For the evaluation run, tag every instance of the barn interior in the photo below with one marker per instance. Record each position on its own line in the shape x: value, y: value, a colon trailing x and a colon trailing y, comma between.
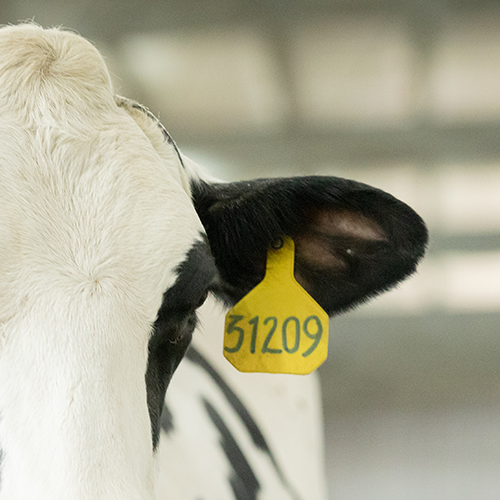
x: 400, y: 94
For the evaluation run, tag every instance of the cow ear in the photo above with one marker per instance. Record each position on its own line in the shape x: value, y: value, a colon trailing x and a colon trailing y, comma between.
x: 352, y: 241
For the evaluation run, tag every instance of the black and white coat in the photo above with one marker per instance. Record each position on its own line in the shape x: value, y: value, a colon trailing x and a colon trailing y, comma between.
x: 110, y: 239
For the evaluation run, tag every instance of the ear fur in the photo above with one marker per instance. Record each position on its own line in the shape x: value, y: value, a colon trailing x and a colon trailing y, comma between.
x: 352, y: 241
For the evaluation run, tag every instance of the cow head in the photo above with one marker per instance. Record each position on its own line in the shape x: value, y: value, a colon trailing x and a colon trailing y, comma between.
x: 110, y: 239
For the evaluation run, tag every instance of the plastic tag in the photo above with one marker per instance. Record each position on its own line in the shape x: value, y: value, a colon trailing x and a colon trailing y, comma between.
x: 277, y: 327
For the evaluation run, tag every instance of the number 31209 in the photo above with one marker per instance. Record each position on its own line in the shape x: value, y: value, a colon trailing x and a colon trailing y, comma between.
x: 291, y: 331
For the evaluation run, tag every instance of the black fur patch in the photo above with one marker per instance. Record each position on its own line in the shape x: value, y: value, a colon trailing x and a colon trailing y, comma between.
x: 243, y: 482
x: 174, y: 327
x: 246, y: 418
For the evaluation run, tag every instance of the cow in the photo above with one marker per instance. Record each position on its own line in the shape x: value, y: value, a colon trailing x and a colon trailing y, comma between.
x: 110, y: 240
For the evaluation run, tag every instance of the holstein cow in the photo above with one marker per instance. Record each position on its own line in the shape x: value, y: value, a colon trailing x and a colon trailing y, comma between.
x: 110, y: 239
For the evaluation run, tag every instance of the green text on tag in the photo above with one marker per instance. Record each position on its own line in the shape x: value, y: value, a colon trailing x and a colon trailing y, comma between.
x: 277, y: 327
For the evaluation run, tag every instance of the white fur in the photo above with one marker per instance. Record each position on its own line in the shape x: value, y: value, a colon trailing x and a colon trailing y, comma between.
x: 93, y: 222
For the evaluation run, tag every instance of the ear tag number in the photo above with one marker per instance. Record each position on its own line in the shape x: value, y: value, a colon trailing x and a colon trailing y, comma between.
x: 277, y: 327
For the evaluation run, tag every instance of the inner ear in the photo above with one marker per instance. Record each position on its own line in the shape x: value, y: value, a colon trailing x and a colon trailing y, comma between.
x: 344, y: 222
x: 329, y: 238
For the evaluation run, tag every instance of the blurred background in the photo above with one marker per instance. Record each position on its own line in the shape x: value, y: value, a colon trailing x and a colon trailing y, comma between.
x: 404, y: 95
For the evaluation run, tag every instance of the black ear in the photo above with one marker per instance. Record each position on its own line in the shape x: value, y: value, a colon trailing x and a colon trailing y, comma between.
x: 352, y: 241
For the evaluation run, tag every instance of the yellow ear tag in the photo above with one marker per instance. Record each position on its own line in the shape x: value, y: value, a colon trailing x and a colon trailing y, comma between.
x: 277, y: 327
